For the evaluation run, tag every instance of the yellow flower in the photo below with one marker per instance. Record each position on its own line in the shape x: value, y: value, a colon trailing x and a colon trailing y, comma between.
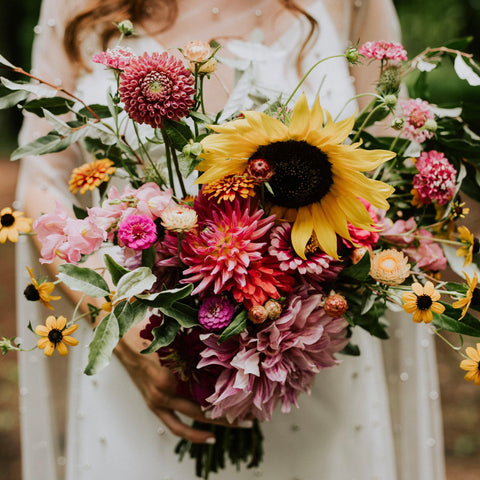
x: 470, y: 245
x: 317, y: 179
x: 40, y: 291
x: 55, y: 335
x: 90, y: 175
x: 390, y: 267
x: 459, y: 210
x: 12, y: 222
x: 467, y: 300
x: 227, y: 187
x: 422, y: 302
x: 472, y: 365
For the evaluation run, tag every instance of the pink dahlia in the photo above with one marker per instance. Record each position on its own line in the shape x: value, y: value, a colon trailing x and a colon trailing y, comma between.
x: 216, y: 312
x: 273, y: 364
x: 157, y: 86
x: 416, y: 113
x: 383, y: 51
x: 118, y: 58
x: 435, y: 181
x: 138, y: 232
x: 365, y: 238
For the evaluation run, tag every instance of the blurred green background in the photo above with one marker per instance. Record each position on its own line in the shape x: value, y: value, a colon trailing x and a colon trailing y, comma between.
x: 424, y: 23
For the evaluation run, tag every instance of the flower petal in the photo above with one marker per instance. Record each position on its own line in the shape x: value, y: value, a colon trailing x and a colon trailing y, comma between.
x: 302, y: 231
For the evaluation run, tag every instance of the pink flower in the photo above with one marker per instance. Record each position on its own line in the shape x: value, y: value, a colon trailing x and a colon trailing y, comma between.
x: 435, y: 181
x: 154, y: 87
x: 273, y: 364
x: 401, y: 232
x: 364, y: 238
x: 416, y: 113
x: 216, y: 312
x: 383, y: 51
x: 428, y: 255
x: 138, y: 232
x: 151, y: 200
x: 84, y: 237
x: 118, y: 57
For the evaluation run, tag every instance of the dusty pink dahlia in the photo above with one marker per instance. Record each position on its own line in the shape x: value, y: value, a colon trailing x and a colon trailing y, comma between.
x: 138, y: 232
x: 216, y: 312
x: 383, y: 51
x: 273, y: 364
x: 435, y: 181
x: 157, y: 86
x: 416, y: 113
x: 118, y: 58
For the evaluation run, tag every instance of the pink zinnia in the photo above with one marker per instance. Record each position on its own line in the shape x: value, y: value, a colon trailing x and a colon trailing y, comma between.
x: 138, y: 232
x: 117, y: 58
x: 157, y: 86
x: 416, y: 113
x: 216, y: 312
x: 435, y: 181
x: 383, y: 51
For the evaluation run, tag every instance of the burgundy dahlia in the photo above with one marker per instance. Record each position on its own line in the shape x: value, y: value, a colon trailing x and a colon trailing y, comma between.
x: 154, y: 87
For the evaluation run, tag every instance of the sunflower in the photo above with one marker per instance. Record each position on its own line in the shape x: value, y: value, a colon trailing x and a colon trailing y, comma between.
x: 317, y: 180
x: 472, y: 294
x: 40, y: 291
x: 472, y: 364
x: 54, y: 335
x: 11, y: 223
x: 422, y: 302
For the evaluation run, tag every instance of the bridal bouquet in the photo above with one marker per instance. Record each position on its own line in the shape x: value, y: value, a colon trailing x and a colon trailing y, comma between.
x: 254, y: 244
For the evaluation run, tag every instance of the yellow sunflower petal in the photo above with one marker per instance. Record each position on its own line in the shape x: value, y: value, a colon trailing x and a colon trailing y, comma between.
x: 316, y: 117
x: 473, y: 353
x: 51, y: 322
x: 429, y: 289
x: 5, y: 211
x: 42, y: 330
x: 43, y: 342
x: 49, y: 349
x: 417, y: 289
x: 437, y: 307
x: 302, y: 231
x: 410, y: 307
x: 61, y: 322
x: 70, y: 329
x: 3, y: 235
x: 409, y: 297
x: 324, y: 231
x: 335, y: 216
x: 427, y: 316
x: 62, y: 349
x: 12, y: 234
x: 230, y: 167
x: 70, y: 340
x: 468, y: 365
x: 299, y: 124
x: 335, y: 133
x: 417, y: 316
x: 460, y: 303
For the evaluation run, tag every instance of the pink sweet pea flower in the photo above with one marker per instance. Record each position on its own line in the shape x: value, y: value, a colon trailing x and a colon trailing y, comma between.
x: 428, y: 255
x: 402, y: 232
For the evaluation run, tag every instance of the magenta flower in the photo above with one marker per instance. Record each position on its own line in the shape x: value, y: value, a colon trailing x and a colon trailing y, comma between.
x: 154, y: 87
x: 428, y: 254
x: 435, y: 181
x: 383, y: 51
x: 216, y: 312
x: 118, y: 58
x: 416, y: 113
x: 138, y: 232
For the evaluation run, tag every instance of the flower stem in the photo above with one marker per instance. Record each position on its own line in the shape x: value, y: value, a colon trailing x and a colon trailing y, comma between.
x: 166, y: 141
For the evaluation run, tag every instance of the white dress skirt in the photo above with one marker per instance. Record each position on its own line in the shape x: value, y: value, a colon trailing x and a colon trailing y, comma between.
x: 374, y: 417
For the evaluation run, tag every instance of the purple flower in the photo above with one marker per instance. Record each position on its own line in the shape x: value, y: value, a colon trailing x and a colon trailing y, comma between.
x: 215, y: 313
x: 138, y: 232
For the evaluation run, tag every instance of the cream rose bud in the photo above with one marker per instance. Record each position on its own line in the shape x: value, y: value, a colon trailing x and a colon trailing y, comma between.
x: 179, y: 218
x: 197, y: 51
x: 208, y: 67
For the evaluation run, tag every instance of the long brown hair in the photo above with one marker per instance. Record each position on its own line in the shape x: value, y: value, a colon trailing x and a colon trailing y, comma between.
x: 100, y: 16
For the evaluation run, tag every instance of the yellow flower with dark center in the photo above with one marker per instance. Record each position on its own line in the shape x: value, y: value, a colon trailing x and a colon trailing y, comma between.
x: 11, y: 223
x: 472, y: 364
x: 469, y: 296
x: 470, y: 244
x: 422, y: 301
x: 54, y: 334
x: 40, y: 291
x: 317, y: 180
x: 227, y: 187
x: 459, y: 211
x: 90, y: 175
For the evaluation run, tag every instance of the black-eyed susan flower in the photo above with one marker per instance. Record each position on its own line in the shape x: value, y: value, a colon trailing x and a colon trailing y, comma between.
x: 422, y: 301
x: 55, y: 335
x: 470, y: 245
x: 472, y: 294
x: 472, y: 364
x: 459, y: 211
x: 90, y: 175
x: 11, y: 223
x: 40, y: 291
x: 317, y: 180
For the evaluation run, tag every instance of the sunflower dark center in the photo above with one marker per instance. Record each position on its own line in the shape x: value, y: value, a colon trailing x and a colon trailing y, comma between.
x: 476, y: 245
x: 55, y: 335
x: 424, y: 302
x: 7, y: 220
x: 31, y: 293
x: 303, y: 174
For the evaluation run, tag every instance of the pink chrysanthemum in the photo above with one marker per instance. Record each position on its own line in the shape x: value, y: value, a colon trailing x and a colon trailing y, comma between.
x: 416, y: 113
x: 275, y: 363
x: 383, y: 51
x: 435, y: 181
x: 157, y: 86
x: 216, y: 312
x: 138, y: 232
x: 118, y: 57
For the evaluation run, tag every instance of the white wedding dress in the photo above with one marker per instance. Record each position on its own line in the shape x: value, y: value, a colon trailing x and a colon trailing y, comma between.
x: 376, y: 416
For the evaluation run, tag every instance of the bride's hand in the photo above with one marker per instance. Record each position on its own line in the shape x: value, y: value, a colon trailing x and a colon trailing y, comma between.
x: 158, y: 387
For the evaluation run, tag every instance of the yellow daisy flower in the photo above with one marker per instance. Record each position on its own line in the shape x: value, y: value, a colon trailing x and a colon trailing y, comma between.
x: 459, y: 210
x: 90, y: 175
x: 11, y: 223
x: 472, y: 364
x: 55, y: 335
x: 467, y: 300
x: 317, y: 178
x: 40, y: 291
x: 422, y: 302
x: 470, y: 244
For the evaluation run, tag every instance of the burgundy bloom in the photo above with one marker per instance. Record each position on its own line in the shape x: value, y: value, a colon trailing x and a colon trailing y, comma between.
x: 154, y: 87
x: 216, y: 312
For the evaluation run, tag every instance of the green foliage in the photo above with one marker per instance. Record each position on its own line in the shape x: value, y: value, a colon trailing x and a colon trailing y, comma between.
x: 236, y: 326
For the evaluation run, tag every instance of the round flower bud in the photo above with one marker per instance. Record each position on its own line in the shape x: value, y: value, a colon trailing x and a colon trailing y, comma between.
x: 335, y: 305
x: 389, y: 82
x: 257, y: 314
x: 126, y: 27
x: 196, y: 149
x: 398, y: 123
x: 273, y: 308
x: 186, y: 150
x: 358, y: 254
x: 430, y: 125
x: 208, y: 67
x: 351, y: 55
x: 197, y: 52
x: 390, y: 100
x: 259, y: 170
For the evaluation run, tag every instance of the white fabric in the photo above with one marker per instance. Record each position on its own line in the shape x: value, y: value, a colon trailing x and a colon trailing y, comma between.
x: 373, y: 417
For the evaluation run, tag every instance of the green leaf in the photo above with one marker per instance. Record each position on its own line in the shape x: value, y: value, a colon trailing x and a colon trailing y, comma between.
x: 201, y: 118
x: 129, y: 314
x: 102, y: 111
x: 133, y: 283
x: 39, y: 90
x: 178, y: 133
x: 448, y: 320
x: 116, y: 270
x: 185, y: 315
x: 148, y: 257
x: 4, y: 61
x: 12, y: 98
x: 79, y: 212
x: 83, y: 279
x: 237, y: 326
x: 351, y: 349
x: 167, y: 297
x: 359, y: 271
x: 55, y: 105
x: 163, y: 335
x: 101, y: 347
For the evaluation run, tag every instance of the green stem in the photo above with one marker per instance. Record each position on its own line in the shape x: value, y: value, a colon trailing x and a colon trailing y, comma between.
x: 365, y: 122
x: 377, y: 97
x: 169, y: 160
x: 179, y: 173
